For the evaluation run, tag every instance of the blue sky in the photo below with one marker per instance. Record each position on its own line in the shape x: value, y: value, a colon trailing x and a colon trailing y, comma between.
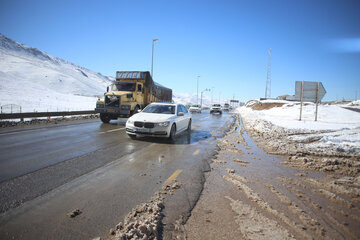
x: 225, y: 42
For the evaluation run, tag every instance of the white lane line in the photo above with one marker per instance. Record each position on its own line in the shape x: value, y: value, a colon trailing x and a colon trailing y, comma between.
x: 114, y: 130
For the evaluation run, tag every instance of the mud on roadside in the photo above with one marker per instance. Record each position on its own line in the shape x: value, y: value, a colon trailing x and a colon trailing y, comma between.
x: 251, y: 195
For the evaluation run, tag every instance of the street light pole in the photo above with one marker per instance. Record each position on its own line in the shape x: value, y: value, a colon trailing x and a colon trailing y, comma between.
x: 152, y: 56
x: 212, y: 95
x: 202, y: 94
x: 197, y: 91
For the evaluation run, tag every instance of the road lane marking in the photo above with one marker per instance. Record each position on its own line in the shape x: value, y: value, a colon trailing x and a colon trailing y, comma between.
x: 173, y: 176
x: 196, y: 152
x: 114, y: 130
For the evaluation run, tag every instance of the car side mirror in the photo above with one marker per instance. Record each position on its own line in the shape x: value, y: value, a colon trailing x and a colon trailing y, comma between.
x: 139, y: 110
x: 180, y: 114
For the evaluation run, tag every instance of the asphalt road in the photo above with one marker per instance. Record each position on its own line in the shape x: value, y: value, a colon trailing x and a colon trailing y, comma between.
x: 48, y: 171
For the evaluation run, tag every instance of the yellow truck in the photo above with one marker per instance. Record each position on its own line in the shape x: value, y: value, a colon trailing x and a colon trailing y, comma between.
x: 130, y: 92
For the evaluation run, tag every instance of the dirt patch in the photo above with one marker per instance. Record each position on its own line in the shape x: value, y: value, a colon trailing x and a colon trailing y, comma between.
x: 264, y: 105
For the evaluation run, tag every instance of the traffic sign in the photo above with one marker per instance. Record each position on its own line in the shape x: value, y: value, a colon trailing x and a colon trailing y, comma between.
x: 311, y: 91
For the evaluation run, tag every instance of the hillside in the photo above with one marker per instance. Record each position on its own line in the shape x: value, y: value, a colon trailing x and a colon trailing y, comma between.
x: 38, y: 81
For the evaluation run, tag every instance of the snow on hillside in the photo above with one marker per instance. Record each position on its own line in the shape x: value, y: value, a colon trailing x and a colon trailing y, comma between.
x: 38, y: 81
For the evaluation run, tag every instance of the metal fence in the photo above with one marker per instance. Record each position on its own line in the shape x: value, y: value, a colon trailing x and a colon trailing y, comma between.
x: 10, y: 108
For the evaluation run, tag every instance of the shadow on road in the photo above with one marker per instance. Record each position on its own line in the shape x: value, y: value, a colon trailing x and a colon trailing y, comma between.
x: 184, y: 138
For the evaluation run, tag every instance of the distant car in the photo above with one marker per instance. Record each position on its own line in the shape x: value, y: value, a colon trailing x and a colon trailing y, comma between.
x: 215, y: 108
x: 159, y: 120
x: 226, y: 107
x: 195, y: 108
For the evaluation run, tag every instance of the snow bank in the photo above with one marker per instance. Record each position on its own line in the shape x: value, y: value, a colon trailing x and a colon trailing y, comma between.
x: 336, y: 134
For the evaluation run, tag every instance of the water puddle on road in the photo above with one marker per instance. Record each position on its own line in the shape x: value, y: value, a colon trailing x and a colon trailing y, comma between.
x: 264, y: 199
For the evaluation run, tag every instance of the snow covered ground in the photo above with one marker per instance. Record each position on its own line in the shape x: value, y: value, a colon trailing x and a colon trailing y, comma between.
x: 37, y: 81
x: 336, y: 133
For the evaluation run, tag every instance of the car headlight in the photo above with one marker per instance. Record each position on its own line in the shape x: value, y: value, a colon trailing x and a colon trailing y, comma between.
x: 129, y: 121
x: 163, y: 124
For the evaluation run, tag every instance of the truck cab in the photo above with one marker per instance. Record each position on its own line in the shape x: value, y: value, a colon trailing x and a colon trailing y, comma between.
x: 130, y: 92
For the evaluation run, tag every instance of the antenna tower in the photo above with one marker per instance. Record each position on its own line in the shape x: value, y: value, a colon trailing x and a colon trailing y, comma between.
x: 268, y: 77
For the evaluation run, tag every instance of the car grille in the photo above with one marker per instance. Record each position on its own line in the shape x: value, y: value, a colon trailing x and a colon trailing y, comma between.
x: 146, y: 124
x: 138, y: 124
x: 149, y: 125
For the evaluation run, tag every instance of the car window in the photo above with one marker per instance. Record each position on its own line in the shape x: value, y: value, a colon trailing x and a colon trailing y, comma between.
x: 178, y: 109
x: 163, y: 109
x: 184, y: 109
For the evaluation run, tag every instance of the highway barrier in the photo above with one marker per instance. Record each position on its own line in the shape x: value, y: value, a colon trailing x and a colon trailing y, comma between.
x: 21, y: 116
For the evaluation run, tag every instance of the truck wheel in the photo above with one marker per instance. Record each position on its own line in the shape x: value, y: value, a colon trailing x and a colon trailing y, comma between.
x: 104, y: 118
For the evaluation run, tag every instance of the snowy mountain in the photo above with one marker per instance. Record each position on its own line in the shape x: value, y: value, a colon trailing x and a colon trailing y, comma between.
x: 37, y: 81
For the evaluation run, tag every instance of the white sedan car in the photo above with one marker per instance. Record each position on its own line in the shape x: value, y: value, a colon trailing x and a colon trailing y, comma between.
x: 159, y: 120
x: 195, y: 108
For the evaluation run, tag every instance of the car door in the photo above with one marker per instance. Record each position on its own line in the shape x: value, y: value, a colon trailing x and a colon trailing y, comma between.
x: 187, y: 116
x: 180, y: 119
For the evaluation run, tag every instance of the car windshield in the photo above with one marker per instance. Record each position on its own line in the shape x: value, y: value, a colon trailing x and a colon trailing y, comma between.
x: 216, y: 105
x: 123, y: 86
x: 195, y: 105
x: 162, y: 109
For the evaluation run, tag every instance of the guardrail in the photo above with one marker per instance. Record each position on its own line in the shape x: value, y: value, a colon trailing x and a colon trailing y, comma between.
x: 43, y: 114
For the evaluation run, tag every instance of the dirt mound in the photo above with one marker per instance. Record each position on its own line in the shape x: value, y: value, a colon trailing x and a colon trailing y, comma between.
x: 265, y: 105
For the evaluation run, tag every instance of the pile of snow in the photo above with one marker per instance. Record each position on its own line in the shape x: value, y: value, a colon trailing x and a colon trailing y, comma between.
x: 335, y: 126
x: 37, y: 81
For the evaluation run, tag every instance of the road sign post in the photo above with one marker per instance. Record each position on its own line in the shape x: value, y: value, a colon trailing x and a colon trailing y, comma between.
x: 301, y: 98
x: 309, y: 92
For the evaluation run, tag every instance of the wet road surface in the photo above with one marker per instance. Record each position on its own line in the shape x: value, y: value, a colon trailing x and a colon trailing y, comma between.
x: 47, y: 172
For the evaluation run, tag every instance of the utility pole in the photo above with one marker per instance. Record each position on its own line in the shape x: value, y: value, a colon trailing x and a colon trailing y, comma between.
x: 268, y: 77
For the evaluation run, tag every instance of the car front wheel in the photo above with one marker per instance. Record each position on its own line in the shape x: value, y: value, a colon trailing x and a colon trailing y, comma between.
x: 132, y: 136
x: 189, y: 126
x: 172, y: 133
